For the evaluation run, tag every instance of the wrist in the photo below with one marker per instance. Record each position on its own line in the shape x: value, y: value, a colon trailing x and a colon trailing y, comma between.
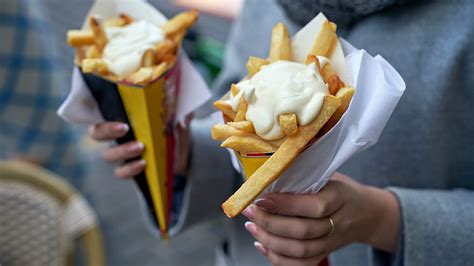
x: 385, y: 219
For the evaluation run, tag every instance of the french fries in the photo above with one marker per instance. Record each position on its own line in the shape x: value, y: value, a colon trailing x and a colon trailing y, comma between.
x: 225, y: 108
x: 141, y: 77
x: 241, y: 136
x: 247, y: 144
x: 288, y: 123
x: 325, y: 41
x: 100, y: 38
x: 94, y: 65
x: 180, y: 22
x: 77, y: 38
x: 254, y: 64
x: 279, y: 161
x: 246, y: 126
x: 334, y: 84
x: 241, y: 110
x: 280, y: 47
x: 90, y: 46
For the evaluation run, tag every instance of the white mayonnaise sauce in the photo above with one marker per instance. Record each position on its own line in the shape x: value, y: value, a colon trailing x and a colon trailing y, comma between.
x: 126, y: 45
x: 279, y: 88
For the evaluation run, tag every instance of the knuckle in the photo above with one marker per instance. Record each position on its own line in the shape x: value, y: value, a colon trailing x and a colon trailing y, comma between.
x: 302, y: 250
x: 303, y: 231
x: 322, y: 208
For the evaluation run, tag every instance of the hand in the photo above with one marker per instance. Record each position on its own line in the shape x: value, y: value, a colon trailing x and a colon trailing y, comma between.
x: 296, y: 230
x: 113, y: 130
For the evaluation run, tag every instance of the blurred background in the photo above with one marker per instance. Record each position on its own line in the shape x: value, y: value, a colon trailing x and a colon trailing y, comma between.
x: 126, y: 237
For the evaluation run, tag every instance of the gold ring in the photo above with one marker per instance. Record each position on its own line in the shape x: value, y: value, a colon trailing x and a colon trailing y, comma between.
x: 333, y: 227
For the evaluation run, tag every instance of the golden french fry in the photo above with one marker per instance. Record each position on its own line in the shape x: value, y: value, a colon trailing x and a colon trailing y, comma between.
x: 93, y: 52
x: 148, y: 58
x: 221, y: 132
x: 288, y: 123
x: 280, y: 46
x: 169, y: 59
x: 325, y: 41
x: 234, y: 90
x: 141, y: 77
x: 248, y: 144
x: 254, y: 64
x: 163, y: 48
x: 80, y: 37
x: 180, y: 22
x: 279, y: 161
x: 225, y: 108
x: 311, y: 58
x: 120, y: 21
x: 94, y: 65
x: 159, y: 70
x: 100, y: 38
x: 334, y: 84
x: 246, y: 126
x: 345, y: 95
x: 241, y: 110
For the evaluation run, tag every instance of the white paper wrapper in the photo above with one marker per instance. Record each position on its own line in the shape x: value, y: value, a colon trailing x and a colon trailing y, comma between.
x: 80, y: 106
x: 378, y: 90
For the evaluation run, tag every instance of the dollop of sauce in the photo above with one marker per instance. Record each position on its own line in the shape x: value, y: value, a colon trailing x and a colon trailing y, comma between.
x: 126, y: 45
x: 279, y: 88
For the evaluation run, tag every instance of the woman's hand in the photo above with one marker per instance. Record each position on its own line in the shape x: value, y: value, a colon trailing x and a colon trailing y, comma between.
x: 108, y: 131
x: 304, y: 229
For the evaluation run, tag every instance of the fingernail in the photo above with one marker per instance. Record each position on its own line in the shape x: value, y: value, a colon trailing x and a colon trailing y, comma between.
x: 249, y: 212
x: 139, y: 163
x: 136, y: 147
x: 266, y: 203
x: 260, y: 248
x: 251, y: 228
x: 121, y: 128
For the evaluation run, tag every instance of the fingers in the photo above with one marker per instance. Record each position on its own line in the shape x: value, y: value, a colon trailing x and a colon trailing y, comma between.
x: 108, y: 130
x: 286, y: 246
x: 278, y: 259
x: 123, y: 152
x: 130, y: 169
x: 290, y: 227
x: 323, y: 204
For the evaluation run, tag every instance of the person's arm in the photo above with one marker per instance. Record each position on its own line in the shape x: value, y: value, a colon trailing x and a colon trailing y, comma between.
x: 437, y: 228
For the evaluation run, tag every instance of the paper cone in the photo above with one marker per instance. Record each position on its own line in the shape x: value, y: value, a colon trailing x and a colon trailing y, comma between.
x: 149, y: 111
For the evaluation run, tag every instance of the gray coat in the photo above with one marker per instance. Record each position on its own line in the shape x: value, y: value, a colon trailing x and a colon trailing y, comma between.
x: 426, y: 153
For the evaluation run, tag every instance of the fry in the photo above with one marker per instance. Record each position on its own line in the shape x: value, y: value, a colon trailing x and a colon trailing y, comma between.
x: 345, y: 95
x: 279, y: 161
x: 100, y: 38
x: 159, y: 70
x: 313, y: 59
x: 288, y: 123
x: 148, y: 58
x: 169, y: 59
x: 246, y: 126
x: 141, y: 77
x: 222, y: 132
x: 93, y: 52
x: 120, y: 21
x: 325, y: 41
x: 180, y: 22
x: 164, y: 48
x: 225, y: 108
x: 248, y: 144
x: 334, y: 84
x: 94, y: 65
x: 234, y: 90
x: 254, y: 64
x: 80, y: 37
x: 241, y: 110
x: 280, y: 46
x: 327, y: 71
